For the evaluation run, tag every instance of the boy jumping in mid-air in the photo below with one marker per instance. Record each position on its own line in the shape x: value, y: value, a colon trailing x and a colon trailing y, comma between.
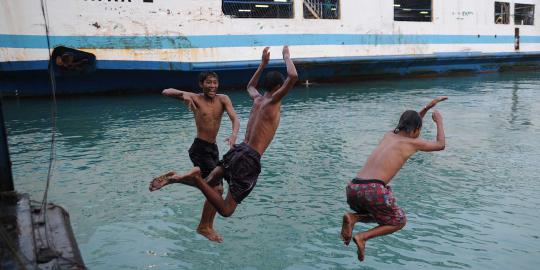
x: 369, y: 194
x: 241, y: 165
x: 208, y: 108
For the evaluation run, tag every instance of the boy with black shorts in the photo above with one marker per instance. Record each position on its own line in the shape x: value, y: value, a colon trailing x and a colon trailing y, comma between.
x: 241, y: 165
x: 208, y: 108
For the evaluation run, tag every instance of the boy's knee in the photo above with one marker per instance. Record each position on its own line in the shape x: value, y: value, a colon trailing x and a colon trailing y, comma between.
x: 226, y: 212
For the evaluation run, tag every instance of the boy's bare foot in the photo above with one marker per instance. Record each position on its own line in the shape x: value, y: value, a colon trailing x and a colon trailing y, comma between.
x: 210, y: 233
x: 172, y: 177
x: 361, y: 244
x: 161, y: 181
x: 347, y: 228
x: 189, y: 177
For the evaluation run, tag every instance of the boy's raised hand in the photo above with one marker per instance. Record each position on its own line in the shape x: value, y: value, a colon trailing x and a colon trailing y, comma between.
x: 265, y: 56
x: 431, y: 104
x: 437, y: 100
x: 286, y: 53
x: 436, y: 115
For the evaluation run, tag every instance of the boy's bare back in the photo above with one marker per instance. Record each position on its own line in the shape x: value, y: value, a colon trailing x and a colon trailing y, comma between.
x: 396, y: 148
x: 389, y: 156
x: 265, y: 113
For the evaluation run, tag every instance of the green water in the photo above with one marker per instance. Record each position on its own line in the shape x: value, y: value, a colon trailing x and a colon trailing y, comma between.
x: 473, y: 206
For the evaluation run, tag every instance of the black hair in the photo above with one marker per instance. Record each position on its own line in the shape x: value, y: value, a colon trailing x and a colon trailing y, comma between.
x: 409, y: 121
x: 271, y: 80
x: 205, y: 74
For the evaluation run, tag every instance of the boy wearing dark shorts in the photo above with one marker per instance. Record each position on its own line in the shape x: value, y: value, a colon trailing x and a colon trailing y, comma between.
x: 204, y: 155
x: 369, y: 194
x: 241, y: 165
x: 208, y: 108
x: 241, y: 168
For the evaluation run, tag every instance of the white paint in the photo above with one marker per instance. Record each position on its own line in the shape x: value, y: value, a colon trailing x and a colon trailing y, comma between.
x: 195, y: 17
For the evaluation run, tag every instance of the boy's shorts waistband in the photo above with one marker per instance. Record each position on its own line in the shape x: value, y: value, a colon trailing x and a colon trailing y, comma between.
x: 359, y: 180
x: 201, y: 141
x: 250, y: 150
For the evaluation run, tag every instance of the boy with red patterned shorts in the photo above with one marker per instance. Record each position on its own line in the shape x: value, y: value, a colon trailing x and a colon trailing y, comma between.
x: 369, y: 194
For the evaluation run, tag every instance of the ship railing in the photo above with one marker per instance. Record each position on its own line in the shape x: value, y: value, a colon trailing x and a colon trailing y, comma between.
x: 315, y: 7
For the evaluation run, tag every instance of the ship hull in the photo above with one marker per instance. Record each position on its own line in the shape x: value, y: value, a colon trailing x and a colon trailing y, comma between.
x: 143, y: 47
x: 36, y: 82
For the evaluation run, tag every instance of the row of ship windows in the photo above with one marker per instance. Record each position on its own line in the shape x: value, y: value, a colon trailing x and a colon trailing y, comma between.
x: 404, y: 10
x: 523, y: 13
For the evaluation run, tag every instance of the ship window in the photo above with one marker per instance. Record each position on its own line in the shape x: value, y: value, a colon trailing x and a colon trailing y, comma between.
x: 280, y: 9
x: 412, y: 10
x: 524, y: 14
x: 502, y: 13
x: 321, y: 9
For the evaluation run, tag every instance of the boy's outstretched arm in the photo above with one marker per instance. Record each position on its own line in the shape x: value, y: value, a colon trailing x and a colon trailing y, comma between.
x: 439, y: 144
x: 431, y: 104
x: 186, y: 97
x: 292, y: 76
x: 231, y: 140
x: 252, y: 85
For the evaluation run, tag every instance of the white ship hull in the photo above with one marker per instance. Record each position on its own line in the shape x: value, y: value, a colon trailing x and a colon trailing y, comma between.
x: 148, y: 46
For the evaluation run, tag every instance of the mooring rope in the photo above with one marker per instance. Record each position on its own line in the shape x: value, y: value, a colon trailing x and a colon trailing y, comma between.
x: 52, y: 156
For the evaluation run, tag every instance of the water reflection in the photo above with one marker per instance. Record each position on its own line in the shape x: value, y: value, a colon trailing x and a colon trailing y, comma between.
x: 519, y: 116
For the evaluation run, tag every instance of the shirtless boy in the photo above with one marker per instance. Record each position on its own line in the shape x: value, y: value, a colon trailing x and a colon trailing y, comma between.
x: 241, y: 165
x: 207, y: 108
x: 369, y: 194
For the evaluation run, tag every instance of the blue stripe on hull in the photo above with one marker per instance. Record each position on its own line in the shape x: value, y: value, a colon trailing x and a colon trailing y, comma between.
x: 236, y: 75
x: 232, y: 65
x: 216, y: 41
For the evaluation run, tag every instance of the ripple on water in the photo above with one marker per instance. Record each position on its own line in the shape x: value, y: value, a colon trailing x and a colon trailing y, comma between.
x: 469, y: 207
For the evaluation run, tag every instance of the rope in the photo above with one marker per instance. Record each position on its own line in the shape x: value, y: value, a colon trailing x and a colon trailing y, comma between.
x: 43, y: 208
x: 52, y: 156
x: 53, y: 110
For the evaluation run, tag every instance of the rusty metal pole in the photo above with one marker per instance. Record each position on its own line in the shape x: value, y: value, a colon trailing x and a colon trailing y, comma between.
x: 6, y: 177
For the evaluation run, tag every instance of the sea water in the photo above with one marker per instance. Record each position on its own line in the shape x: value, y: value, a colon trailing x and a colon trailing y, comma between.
x: 474, y: 205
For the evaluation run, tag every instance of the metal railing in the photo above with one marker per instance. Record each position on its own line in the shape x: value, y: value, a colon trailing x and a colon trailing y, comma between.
x: 315, y: 7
